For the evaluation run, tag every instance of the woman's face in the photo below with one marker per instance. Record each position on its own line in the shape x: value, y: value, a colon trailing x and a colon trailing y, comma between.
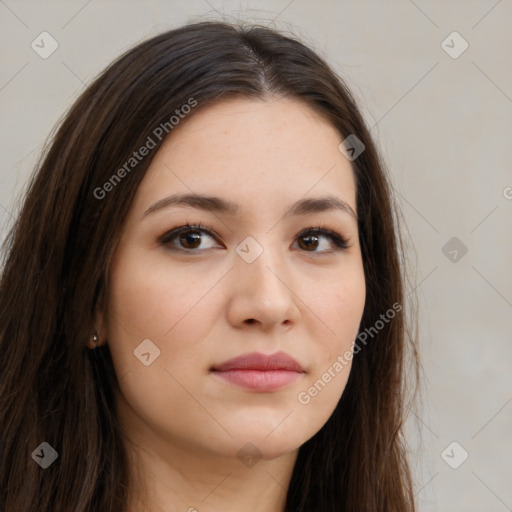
x: 255, y: 280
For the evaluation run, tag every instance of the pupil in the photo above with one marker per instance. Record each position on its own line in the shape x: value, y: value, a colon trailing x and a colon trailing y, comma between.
x: 187, y: 238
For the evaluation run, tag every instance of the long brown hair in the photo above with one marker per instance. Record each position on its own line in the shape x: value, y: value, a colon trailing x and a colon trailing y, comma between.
x: 55, y: 273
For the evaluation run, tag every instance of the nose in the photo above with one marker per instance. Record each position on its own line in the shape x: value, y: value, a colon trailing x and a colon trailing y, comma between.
x: 262, y: 293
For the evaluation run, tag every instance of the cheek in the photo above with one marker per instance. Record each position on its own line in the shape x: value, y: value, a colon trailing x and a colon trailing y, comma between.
x: 148, y: 302
x: 155, y: 302
x: 339, y: 304
x: 153, y: 299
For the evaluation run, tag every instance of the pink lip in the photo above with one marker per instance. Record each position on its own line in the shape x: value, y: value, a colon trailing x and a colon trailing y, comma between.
x: 260, y: 372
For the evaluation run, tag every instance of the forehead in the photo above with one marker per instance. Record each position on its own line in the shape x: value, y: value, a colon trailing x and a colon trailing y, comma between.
x: 253, y: 151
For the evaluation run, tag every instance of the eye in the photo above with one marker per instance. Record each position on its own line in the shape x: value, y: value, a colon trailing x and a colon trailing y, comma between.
x: 312, y: 240
x: 189, y: 238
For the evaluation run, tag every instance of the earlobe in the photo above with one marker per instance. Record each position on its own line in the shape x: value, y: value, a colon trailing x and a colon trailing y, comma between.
x: 93, y: 341
x: 99, y: 335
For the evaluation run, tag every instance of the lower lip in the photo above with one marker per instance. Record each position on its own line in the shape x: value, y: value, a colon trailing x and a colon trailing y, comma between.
x: 260, y: 380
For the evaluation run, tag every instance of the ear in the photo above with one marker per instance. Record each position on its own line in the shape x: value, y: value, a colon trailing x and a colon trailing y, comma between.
x: 100, y: 324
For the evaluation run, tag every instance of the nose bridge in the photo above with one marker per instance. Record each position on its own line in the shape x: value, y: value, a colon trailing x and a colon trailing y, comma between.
x: 263, y: 291
x: 261, y: 262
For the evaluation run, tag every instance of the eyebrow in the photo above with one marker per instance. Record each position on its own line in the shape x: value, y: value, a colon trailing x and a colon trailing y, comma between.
x: 225, y: 206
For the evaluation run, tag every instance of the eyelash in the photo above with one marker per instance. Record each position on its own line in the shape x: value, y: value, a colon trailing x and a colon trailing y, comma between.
x: 340, y: 243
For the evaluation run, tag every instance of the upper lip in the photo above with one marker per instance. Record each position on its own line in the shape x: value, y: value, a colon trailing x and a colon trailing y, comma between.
x: 257, y: 361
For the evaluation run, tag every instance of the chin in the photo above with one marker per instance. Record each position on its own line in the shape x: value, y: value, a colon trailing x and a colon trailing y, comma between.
x: 268, y: 446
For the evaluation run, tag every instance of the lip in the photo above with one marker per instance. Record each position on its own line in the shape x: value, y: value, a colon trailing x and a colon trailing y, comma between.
x: 260, y: 372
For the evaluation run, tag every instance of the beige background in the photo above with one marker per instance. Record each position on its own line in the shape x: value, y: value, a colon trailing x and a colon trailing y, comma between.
x: 444, y: 127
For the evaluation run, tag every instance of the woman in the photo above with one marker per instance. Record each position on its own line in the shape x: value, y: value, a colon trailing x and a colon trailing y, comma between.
x: 201, y: 304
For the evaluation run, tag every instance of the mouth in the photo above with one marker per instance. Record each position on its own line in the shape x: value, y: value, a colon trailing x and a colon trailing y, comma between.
x: 260, y: 372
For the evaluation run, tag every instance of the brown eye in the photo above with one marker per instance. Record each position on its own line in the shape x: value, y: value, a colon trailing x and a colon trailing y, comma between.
x: 311, y: 239
x: 187, y: 239
x: 190, y: 239
x: 310, y: 242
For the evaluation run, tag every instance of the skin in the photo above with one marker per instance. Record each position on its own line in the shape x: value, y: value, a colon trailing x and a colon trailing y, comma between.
x: 183, y: 425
